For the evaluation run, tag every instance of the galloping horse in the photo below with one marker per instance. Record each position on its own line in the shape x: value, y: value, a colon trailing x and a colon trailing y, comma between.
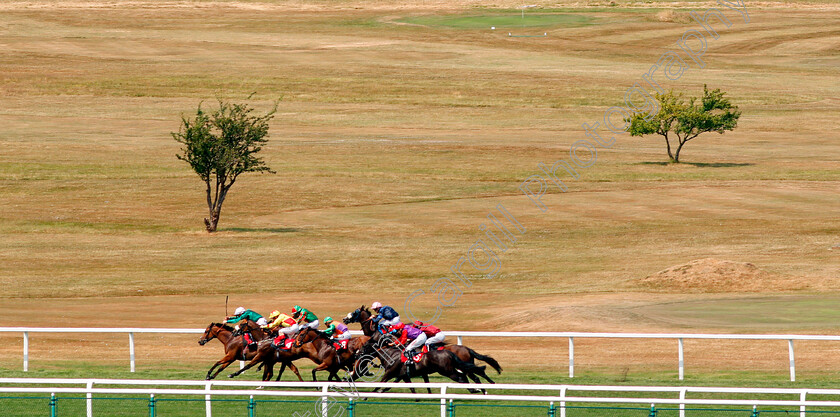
x: 321, y: 351
x: 268, y: 355
x: 235, y: 348
x: 434, y: 361
x: 363, y: 316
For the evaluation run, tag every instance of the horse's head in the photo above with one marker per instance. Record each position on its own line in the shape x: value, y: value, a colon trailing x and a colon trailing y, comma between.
x: 209, y: 333
x: 352, y: 317
x: 248, y: 325
x: 306, y: 335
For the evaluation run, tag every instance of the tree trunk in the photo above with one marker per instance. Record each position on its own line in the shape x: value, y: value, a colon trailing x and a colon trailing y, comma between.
x: 210, y: 224
x: 668, y: 145
x: 676, y: 157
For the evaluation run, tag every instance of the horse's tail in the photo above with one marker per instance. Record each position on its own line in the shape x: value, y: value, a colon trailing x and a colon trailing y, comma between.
x: 489, y: 359
x: 465, y: 367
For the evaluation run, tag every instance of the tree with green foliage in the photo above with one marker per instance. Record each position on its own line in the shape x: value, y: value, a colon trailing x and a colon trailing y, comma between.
x: 221, y: 145
x: 684, y: 120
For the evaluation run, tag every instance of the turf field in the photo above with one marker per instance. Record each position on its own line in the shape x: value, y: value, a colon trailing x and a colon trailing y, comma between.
x: 401, y: 126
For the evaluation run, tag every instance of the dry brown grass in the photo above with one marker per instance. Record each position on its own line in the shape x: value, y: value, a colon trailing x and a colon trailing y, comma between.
x: 391, y: 145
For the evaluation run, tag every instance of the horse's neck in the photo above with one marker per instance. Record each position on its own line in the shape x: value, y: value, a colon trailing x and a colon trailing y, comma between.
x: 223, y: 335
x: 367, y: 327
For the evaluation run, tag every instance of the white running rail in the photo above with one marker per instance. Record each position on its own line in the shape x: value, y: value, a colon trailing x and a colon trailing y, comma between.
x: 679, y: 337
x: 556, y: 394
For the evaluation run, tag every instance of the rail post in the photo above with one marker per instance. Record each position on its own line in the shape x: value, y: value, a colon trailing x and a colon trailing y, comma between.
x: 552, y: 411
x: 652, y: 411
x: 442, y: 401
x: 802, y: 407
x: 451, y: 409
x: 25, y: 351
x: 152, y: 405
x: 351, y: 409
x: 89, y: 399
x: 131, y: 349
x: 53, y: 400
x: 681, y: 359
x: 792, y: 362
x: 208, y: 406
x: 682, y: 406
x: 324, y: 399
x: 563, y: 403
x: 252, y: 405
x: 755, y: 412
x: 460, y: 340
x: 571, y: 357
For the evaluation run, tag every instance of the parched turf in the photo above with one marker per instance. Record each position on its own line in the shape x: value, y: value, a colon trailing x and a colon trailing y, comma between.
x: 501, y: 21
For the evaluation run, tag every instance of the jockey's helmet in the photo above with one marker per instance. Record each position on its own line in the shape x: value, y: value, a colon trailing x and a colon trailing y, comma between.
x: 238, y: 311
x: 376, y: 305
x: 328, y: 320
x: 274, y: 314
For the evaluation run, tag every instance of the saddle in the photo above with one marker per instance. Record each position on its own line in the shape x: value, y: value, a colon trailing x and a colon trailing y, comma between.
x: 248, y: 339
x: 283, y: 343
x: 342, y: 344
x: 415, y: 358
x: 437, y: 346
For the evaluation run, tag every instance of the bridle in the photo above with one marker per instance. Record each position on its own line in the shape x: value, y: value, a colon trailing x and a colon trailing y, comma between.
x: 213, y: 330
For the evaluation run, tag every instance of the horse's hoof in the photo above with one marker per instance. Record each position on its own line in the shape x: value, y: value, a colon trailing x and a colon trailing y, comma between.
x: 260, y: 387
x: 232, y: 376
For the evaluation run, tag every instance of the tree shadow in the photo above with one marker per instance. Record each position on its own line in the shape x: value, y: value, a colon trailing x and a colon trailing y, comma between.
x: 699, y: 164
x: 261, y: 229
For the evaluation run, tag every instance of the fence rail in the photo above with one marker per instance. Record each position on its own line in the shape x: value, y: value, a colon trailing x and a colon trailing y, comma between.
x: 557, y: 399
x: 679, y: 337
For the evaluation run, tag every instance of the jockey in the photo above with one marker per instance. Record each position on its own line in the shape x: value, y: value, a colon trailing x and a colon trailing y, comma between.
x: 287, y: 325
x: 433, y: 334
x: 337, y: 333
x: 387, y: 315
x: 305, y: 318
x: 417, y: 337
x: 241, y: 313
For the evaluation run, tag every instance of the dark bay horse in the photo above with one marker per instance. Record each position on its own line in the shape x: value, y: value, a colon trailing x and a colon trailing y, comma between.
x: 235, y: 347
x: 435, y: 361
x: 363, y: 316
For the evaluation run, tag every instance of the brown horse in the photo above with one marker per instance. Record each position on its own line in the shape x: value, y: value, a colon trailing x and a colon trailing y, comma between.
x: 363, y: 316
x: 267, y: 355
x: 321, y: 351
x: 235, y: 347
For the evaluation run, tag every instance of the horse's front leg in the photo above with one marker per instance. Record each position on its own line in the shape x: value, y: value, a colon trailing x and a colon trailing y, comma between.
x: 258, y: 358
x: 223, y: 363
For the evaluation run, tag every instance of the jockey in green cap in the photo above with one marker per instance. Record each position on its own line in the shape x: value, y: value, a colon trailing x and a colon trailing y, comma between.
x: 305, y: 317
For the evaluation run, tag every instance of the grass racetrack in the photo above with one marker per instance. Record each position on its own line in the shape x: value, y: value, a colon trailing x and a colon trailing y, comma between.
x: 401, y: 126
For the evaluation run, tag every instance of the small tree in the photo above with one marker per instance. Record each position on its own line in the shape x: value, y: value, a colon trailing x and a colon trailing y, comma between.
x: 686, y: 119
x: 220, y: 146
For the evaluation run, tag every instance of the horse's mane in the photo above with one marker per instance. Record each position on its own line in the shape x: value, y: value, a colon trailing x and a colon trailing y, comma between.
x: 222, y: 325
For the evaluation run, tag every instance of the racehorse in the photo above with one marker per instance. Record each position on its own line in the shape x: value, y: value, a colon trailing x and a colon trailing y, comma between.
x: 363, y: 316
x: 320, y: 347
x: 235, y: 348
x: 267, y: 355
x: 434, y: 361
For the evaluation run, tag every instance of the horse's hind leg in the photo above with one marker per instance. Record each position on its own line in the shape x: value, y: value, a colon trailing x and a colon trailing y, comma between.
x: 282, y: 368
x: 295, y: 370
x: 258, y: 358
x: 478, y: 381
